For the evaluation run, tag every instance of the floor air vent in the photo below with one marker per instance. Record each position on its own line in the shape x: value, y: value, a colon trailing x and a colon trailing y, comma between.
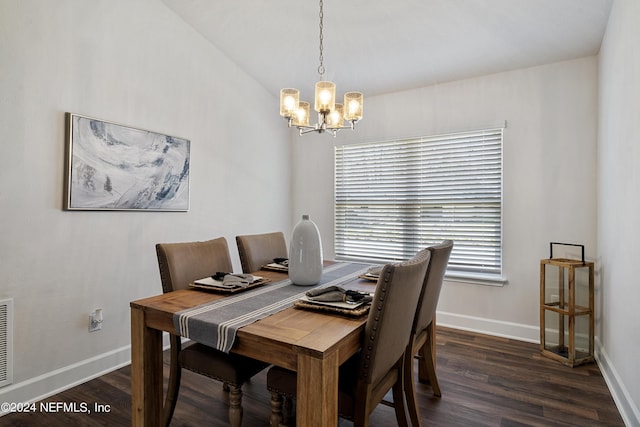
x: 6, y: 342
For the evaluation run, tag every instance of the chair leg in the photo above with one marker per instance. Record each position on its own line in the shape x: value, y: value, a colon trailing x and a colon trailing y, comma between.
x: 235, y: 405
x: 275, y: 420
x: 423, y: 374
x: 364, y: 421
x: 410, y: 388
x: 175, y: 372
x: 398, y: 399
x: 427, y: 367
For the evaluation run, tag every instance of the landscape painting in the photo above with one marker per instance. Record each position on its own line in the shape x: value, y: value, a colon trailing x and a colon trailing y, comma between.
x: 116, y: 167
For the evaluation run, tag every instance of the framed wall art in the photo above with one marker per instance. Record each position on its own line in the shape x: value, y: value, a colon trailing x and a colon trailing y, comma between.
x: 116, y: 167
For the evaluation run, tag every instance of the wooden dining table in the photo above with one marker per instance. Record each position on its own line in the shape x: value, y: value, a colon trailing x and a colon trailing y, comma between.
x: 312, y: 343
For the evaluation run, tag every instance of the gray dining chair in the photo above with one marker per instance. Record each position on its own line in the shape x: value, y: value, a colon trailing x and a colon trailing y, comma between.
x: 181, y: 264
x: 423, y: 328
x: 256, y: 250
x: 366, y: 377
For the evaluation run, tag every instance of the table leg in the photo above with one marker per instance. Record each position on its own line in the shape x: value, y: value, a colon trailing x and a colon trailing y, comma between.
x: 146, y: 372
x: 317, y: 399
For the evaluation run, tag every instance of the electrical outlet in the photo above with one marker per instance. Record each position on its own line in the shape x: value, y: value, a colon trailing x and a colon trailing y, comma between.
x: 95, y: 320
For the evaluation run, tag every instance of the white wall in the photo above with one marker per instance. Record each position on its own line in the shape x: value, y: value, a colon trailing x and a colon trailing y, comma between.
x: 133, y: 62
x: 619, y: 204
x: 549, y: 175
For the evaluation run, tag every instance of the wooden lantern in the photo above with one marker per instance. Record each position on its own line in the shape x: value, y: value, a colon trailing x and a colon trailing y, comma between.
x: 567, y: 309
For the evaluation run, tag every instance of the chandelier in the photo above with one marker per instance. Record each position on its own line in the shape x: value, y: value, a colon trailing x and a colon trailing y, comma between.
x: 331, y: 114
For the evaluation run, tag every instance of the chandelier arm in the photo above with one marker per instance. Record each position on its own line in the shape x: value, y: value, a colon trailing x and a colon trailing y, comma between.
x: 308, y: 129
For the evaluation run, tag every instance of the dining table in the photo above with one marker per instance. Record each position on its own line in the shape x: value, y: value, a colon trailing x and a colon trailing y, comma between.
x: 312, y: 343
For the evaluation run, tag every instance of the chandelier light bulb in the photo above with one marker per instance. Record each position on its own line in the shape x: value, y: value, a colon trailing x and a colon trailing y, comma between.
x: 325, y: 96
x: 288, y: 101
x: 302, y: 114
x: 353, y: 107
x: 335, y: 119
x: 353, y: 101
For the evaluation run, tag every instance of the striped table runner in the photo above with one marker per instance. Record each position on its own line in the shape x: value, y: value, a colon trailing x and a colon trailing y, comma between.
x: 215, y: 324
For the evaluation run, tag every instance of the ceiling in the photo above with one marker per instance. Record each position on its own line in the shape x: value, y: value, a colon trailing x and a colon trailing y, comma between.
x: 377, y: 47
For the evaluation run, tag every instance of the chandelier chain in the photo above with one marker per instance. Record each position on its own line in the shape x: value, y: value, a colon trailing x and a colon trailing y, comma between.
x: 321, y: 66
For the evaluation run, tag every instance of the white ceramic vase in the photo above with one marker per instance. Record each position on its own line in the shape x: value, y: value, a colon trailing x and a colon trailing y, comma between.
x: 305, y: 253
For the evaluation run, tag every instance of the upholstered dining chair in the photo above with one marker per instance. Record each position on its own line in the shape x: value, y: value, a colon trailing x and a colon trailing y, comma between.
x: 422, y: 329
x: 181, y: 264
x: 256, y: 250
x: 365, y: 378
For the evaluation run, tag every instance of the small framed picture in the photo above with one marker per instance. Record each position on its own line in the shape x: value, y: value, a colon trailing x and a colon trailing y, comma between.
x: 116, y: 167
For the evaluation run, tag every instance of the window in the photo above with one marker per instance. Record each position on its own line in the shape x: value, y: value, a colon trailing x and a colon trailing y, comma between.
x: 394, y: 198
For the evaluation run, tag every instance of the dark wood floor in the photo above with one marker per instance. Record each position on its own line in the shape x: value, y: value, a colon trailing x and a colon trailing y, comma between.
x: 485, y: 381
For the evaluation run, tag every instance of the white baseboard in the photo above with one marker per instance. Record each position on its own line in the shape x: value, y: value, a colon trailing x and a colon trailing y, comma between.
x: 628, y: 409
x: 54, y: 382
x: 43, y: 386
x: 481, y: 325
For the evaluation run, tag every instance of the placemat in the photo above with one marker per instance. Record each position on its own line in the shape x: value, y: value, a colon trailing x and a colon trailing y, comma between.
x: 353, y: 312
x: 222, y: 290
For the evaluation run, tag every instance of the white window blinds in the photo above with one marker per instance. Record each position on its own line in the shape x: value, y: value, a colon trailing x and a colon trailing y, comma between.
x: 394, y: 198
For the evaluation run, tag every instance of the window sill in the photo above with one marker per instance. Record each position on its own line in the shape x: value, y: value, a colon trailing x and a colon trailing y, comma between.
x: 476, y: 279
